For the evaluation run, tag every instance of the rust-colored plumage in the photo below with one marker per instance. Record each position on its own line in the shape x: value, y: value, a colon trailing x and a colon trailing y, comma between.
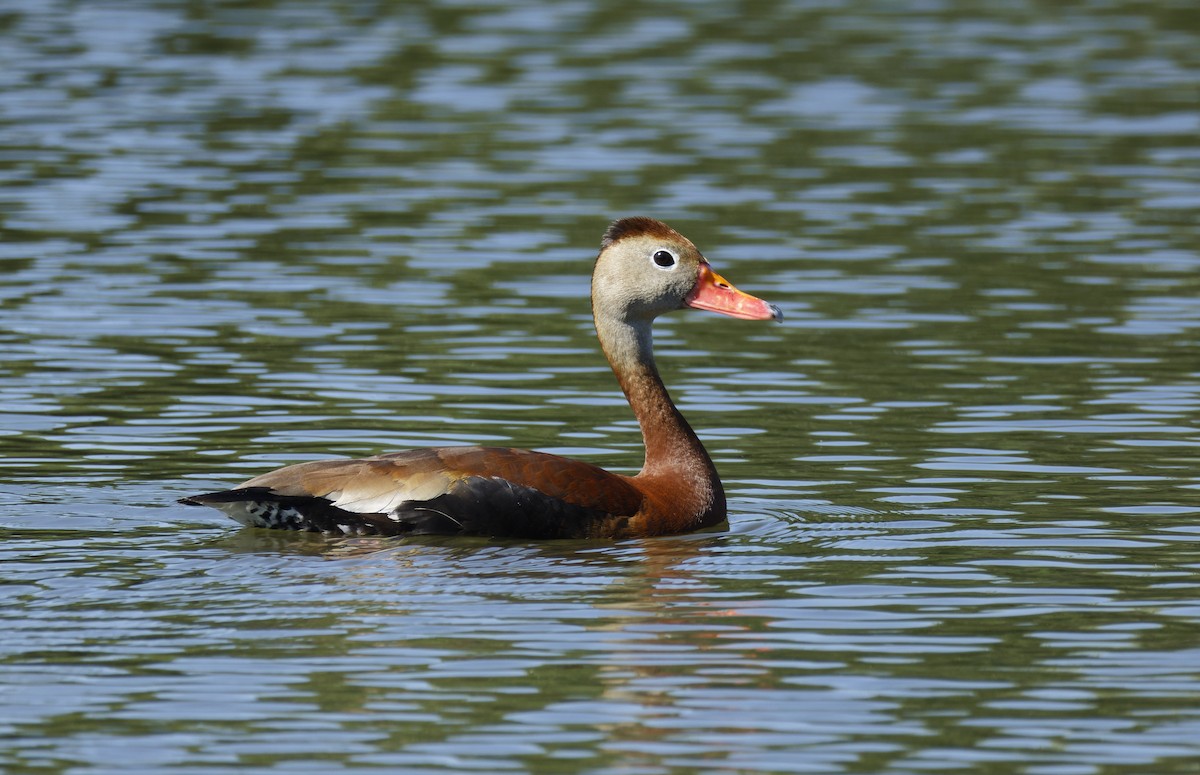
x: 644, y: 269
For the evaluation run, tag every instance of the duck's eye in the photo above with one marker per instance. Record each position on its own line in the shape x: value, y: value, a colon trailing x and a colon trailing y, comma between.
x: 664, y: 259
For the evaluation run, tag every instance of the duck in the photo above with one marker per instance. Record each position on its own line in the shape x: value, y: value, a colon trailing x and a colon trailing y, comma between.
x: 644, y: 269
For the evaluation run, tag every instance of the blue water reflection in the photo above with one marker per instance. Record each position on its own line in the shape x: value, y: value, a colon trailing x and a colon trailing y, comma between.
x: 962, y: 475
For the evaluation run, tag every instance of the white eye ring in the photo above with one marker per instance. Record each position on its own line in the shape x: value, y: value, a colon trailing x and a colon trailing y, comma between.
x: 664, y: 259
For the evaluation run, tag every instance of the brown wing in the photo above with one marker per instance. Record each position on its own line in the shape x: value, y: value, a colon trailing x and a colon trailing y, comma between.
x: 471, y: 490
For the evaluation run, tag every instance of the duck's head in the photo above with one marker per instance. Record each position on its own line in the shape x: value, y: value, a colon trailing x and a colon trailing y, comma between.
x: 646, y: 268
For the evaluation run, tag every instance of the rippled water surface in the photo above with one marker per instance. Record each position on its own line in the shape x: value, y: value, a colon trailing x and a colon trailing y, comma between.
x: 964, y: 474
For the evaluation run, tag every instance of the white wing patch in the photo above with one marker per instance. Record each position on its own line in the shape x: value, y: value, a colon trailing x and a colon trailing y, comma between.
x: 383, y: 495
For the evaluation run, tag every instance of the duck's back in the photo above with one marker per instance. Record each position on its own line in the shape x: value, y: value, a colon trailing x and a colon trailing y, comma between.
x: 447, y: 490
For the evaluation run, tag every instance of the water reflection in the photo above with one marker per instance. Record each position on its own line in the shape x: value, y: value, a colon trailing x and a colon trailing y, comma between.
x: 962, y: 476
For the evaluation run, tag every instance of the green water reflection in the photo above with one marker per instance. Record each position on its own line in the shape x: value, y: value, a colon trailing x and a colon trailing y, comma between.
x: 962, y: 475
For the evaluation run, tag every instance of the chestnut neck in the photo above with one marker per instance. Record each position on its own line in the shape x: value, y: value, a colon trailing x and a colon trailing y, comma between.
x: 675, y: 458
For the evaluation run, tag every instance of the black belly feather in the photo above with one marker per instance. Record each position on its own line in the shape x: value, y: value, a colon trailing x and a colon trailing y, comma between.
x: 496, y: 507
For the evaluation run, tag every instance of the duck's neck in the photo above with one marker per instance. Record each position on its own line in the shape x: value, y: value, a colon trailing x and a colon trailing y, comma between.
x: 674, y: 454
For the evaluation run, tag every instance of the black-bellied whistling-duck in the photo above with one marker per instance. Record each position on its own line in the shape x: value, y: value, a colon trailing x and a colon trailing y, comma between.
x: 645, y: 268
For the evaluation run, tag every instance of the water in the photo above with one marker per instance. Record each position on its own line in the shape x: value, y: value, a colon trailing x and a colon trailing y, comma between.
x: 963, y: 474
